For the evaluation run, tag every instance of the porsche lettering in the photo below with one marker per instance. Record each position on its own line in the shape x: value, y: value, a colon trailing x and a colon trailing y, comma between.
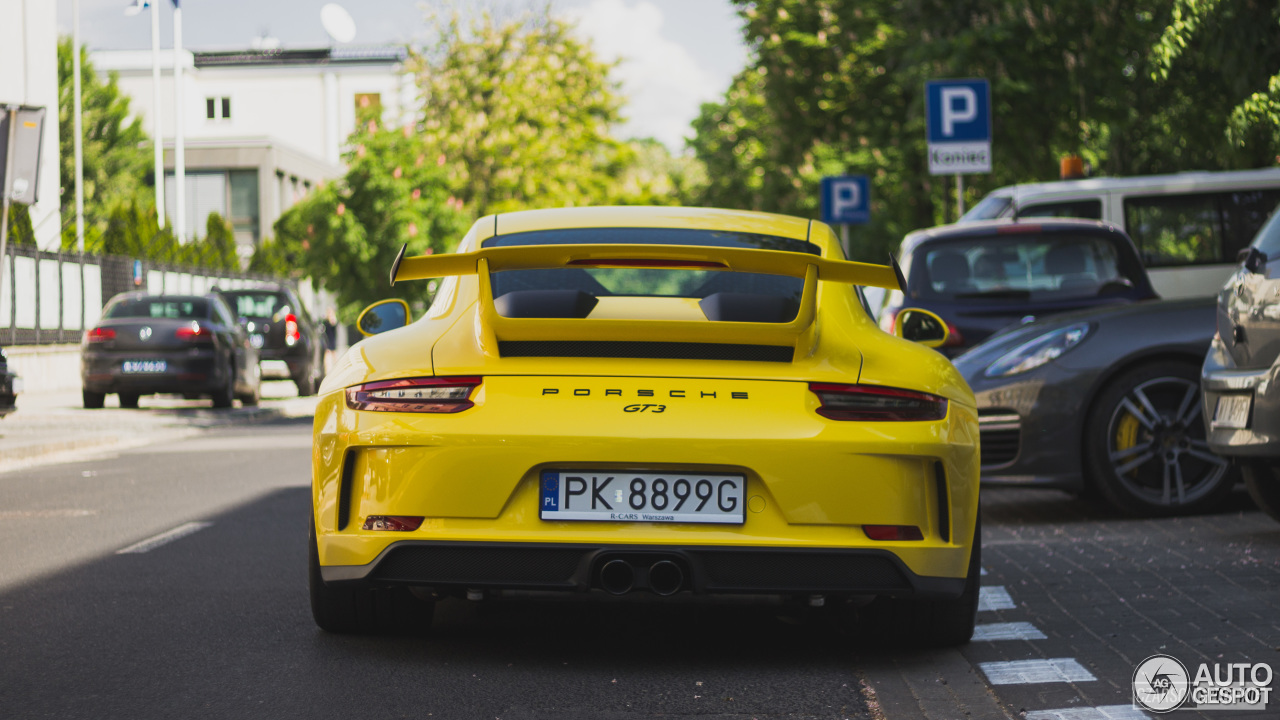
x: 616, y: 392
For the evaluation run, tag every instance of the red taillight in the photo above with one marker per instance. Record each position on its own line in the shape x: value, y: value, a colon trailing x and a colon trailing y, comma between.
x: 424, y: 395
x: 99, y: 335
x: 872, y: 403
x: 1016, y: 228
x: 954, y: 338
x: 893, y: 532
x: 394, y: 523
x: 291, y: 334
x: 194, y: 333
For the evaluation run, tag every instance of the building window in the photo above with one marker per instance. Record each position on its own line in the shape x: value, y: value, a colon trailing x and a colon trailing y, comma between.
x: 217, y: 108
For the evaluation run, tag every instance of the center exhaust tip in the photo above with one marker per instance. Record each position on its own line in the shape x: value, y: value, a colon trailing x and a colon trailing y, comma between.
x: 617, y: 577
x: 665, y: 578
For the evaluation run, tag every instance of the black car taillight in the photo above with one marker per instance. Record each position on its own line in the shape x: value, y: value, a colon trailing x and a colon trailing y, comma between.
x: 195, y: 333
x: 874, y: 403
x: 291, y: 333
x: 99, y: 335
x: 423, y: 395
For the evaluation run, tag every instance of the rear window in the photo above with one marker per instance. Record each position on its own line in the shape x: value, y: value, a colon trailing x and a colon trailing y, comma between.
x: 176, y: 308
x: 650, y: 282
x: 257, y: 304
x: 989, y: 208
x: 1019, y: 268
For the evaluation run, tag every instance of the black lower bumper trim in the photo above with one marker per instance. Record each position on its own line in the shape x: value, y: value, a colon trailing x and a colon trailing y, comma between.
x: 554, y: 566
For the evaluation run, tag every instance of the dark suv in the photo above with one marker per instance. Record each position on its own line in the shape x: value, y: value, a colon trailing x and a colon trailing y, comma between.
x: 980, y: 277
x: 291, y: 345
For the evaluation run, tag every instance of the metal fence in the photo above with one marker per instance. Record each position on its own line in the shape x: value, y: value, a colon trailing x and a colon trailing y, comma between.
x: 48, y: 297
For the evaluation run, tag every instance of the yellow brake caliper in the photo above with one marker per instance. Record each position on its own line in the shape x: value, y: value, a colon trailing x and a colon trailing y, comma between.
x: 1127, y: 436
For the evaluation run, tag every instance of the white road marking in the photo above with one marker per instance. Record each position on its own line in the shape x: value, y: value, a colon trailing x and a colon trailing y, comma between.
x: 7, y: 514
x: 164, y: 538
x: 1007, y: 631
x: 994, y: 597
x: 1024, y: 672
x: 1106, y: 712
x: 982, y: 571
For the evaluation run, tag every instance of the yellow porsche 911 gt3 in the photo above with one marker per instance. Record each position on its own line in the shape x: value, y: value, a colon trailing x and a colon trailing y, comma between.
x: 646, y: 400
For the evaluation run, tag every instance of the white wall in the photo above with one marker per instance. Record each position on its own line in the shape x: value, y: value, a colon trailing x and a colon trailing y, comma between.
x: 29, y: 76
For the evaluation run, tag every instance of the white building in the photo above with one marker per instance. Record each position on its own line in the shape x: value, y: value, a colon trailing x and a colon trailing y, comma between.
x: 29, y: 76
x: 262, y: 127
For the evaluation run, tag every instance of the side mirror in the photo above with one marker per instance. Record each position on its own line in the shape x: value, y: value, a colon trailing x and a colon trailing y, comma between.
x: 1253, y: 259
x: 383, y: 316
x: 921, y: 326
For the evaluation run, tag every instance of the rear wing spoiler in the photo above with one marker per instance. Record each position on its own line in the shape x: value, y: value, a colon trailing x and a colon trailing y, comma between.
x: 484, y: 261
x: 701, y: 257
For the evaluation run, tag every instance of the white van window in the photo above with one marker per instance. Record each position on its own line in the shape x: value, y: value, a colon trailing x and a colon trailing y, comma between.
x: 1196, y: 229
x: 1086, y: 209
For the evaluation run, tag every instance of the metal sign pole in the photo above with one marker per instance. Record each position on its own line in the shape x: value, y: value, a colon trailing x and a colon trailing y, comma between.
x: 959, y: 196
x: 79, y: 127
x: 8, y: 183
x: 844, y: 239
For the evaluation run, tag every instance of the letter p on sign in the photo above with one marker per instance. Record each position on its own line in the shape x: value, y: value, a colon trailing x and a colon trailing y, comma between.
x: 846, y: 199
x: 959, y: 105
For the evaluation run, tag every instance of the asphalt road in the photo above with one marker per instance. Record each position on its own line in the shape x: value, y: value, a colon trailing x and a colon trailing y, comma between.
x: 215, y: 622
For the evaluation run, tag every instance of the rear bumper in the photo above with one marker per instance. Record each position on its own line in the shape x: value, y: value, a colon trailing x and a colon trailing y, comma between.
x: 1219, y: 377
x: 707, y: 570
x: 193, y: 372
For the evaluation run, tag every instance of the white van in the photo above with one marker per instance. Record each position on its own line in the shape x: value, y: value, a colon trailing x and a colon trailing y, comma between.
x: 1188, y: 227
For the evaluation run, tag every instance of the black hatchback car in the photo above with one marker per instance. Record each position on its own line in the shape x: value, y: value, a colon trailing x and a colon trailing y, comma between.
x: 983, y: 276
x: 183, y: 344
x: 291, y: 344
x: 10, y: 386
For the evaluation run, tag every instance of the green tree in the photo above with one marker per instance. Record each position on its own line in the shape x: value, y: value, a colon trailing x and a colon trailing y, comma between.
x: 117, y: 161
x: 346, y: 233
x: 218, y: 247
x: 838, y: 86
x: 20, y: 230
x: 517, y: 112
x: 1236, y: 46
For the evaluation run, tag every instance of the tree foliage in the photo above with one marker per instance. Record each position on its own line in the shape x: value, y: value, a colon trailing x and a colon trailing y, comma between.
x: 117, y: 164
x: 838, y: 86
x: 346, y: 234
x: 517, y: 112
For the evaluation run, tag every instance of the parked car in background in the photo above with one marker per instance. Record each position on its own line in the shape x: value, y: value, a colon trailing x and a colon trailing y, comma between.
x: 10, y: 386
x: 289, y: 342
x: 980, y: 277
x: 1188, y: 226
x: 1239, y: 376
x: 1103, y: 401
x: 185, y: 344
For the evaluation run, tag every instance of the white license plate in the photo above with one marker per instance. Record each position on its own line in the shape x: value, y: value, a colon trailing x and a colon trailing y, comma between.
x: 1232, y: 411
x: 642, y: 497
x: 142, y: 367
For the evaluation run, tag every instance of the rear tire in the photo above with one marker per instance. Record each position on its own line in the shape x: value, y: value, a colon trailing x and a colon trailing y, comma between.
x: 251, y: 399
x: 1262, y: 478
x: 1144, y: 444
x: 929, y: 622
x: 93, y: 400
x: 224, y: 396
x: 358, y: 610
x: 129, y: 400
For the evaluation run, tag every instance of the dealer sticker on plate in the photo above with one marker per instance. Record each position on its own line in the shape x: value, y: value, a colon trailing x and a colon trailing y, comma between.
x: 642, y: 497
x: 1232, y: 411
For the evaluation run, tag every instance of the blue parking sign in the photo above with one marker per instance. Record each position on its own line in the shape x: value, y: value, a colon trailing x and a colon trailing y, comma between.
x: 846, y: 199
x: 958, y: 114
